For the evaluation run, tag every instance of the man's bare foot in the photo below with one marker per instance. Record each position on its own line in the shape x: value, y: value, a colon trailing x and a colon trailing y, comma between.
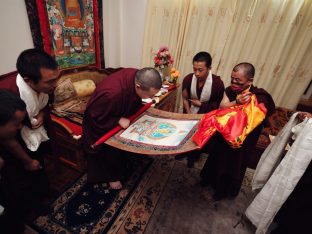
x: 115, y: 184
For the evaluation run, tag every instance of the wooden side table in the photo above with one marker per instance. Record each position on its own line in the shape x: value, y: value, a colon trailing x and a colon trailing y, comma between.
x: 168, y: 100
x: 68, y: 148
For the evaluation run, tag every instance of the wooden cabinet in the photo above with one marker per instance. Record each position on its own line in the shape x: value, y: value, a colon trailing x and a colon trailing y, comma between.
x: 68, y: 148
x: 167, y: 102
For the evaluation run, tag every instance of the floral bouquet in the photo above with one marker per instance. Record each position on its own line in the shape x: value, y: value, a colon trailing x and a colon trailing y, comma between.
x: 163, y: 58
x: 174, y: 75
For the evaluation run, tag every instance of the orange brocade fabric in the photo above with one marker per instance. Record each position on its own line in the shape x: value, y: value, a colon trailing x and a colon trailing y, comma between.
x: 234, y: 123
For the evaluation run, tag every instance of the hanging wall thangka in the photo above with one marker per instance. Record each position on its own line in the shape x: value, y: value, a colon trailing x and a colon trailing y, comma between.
x: 69, y: 30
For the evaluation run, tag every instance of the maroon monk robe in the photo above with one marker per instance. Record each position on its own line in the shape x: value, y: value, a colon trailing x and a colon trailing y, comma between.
x: 225, y: 167
x: 217, y: 90
x: 114, y: 97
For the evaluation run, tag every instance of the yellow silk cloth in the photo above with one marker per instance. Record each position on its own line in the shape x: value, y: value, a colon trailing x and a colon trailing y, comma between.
x: 234, y: 123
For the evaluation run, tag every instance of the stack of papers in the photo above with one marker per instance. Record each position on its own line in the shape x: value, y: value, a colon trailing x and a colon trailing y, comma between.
x: 147, y: 100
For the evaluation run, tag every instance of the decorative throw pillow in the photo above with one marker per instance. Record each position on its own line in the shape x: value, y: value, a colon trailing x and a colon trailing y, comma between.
x: 84, y: 88
x: 64, y: 90
x: 278, y: 120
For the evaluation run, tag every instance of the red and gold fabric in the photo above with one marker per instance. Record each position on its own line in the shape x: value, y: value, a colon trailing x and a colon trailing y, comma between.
x: 234, y: 123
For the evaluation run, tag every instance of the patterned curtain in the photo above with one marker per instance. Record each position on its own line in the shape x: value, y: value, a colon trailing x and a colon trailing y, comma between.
x: 164, y: 25
x: 273, y: 35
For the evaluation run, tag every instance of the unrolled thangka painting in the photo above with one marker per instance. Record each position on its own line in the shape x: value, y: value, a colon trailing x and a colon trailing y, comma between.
x: 69, y: 30
x: 156, y: 131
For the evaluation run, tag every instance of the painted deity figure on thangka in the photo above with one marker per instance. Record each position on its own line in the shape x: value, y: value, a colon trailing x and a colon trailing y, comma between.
x: 153, y: 130
x: 72, y: 26
x: 157, y: 131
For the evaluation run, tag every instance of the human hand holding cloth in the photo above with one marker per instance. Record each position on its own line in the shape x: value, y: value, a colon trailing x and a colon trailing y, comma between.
x: 37, y: 121
x: 243, y: 98
x: 234, y: 123
x: 34, y: 104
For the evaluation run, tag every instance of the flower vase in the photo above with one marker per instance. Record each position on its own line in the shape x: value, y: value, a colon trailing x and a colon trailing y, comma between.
x: 165, y: 73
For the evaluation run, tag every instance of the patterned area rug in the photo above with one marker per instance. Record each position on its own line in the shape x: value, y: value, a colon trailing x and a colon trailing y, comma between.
x: 165, y: 198
x: 135, y: 216
x: 89, y: 208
